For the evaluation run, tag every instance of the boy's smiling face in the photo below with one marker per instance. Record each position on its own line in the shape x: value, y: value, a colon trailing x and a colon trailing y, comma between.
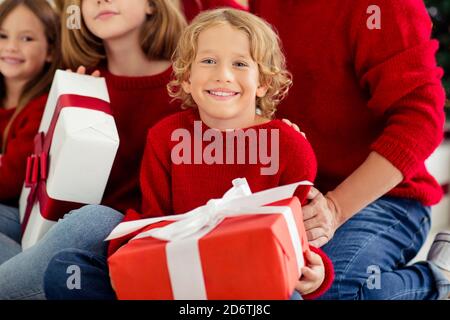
x: 224, y: 79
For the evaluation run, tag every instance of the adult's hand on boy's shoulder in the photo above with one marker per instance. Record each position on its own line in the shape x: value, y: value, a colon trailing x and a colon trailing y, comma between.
x: 320, y: 218
x: 294, y: 126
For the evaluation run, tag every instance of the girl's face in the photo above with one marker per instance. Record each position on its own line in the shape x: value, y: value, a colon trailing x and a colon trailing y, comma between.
x: 113, y: 19
x: 24, y: 49
x: 224, y: 79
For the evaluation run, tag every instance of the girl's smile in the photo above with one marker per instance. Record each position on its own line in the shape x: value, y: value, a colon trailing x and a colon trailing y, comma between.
x: 12, y: 60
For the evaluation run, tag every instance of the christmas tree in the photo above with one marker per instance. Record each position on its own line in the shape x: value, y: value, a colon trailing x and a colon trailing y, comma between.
x: 439, y: 11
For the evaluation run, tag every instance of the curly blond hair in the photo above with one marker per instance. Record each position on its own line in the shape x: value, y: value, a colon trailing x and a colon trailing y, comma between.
x: 265, y: 50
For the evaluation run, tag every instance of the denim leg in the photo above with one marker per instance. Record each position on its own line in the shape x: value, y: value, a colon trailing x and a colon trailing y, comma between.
x: 21, y: 277
x: 371, y: 250
x: 296, y: 296
x: 75, y: 274
x: 93, y: 283
x: 10, y: 232
x: 10, y: 222
x: 8, y: 248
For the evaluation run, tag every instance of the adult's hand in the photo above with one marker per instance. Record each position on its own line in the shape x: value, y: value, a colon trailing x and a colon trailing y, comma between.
x: 294, y: 126
x: 320, y: 217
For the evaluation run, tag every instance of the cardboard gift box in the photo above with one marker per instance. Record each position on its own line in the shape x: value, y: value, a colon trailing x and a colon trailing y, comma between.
x: 74, y: 153
x: 232, y: 249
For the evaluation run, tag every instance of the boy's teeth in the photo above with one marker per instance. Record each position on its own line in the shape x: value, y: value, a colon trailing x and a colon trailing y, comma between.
x: 222, y: 94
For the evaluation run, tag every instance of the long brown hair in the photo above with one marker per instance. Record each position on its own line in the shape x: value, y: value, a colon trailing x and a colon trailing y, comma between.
x: 159, y: 36
x: 40, y: 84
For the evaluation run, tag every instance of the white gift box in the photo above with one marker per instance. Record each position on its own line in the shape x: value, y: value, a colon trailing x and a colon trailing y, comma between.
x: 81, y: 154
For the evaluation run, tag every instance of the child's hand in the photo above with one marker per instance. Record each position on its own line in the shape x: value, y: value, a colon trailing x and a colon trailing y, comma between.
x: 294, y: 126
x: 312, y: 275
x: 82, y: 70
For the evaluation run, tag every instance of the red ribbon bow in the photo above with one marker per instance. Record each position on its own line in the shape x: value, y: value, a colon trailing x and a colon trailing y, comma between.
x: 37, y: 169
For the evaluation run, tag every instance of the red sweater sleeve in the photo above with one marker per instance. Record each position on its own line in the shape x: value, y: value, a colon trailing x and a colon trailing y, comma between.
x: 193, y: 7
x: 211, y: 4
x: 155, y: 175
x: 19, y: 145
x: 155, y: 185
x: 300, y: 161
x: 329, y: 275
x: 396, y: 65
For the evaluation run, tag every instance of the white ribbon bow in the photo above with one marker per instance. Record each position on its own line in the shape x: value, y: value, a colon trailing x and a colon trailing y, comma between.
x: 183, y: 256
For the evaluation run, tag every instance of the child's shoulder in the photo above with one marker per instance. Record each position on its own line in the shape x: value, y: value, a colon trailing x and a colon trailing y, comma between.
x: 36, y: 105
x: 39, y: 101
x: 286, y: 130
x: 178, y: 120
x: 290, y: 139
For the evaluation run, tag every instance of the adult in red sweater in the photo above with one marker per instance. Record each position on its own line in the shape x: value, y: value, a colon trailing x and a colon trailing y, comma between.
x: 192, y: 7
x: 368, y: 95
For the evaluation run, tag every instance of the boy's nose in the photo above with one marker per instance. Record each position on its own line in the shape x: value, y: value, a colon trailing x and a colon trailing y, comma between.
x: 224, y: 74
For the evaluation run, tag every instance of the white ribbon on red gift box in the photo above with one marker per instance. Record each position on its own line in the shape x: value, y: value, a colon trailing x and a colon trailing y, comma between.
x: 182, y: 251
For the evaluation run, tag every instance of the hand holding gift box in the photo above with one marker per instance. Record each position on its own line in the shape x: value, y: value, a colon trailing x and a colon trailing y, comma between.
x: 74, y: 152
x: 242, y: 246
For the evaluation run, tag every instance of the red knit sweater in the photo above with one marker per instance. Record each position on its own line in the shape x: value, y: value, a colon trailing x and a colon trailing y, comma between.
x: 358, y: 90
x: 170, y: 188
x: 193, y: 7
x: 137, y: 103
x: 19, y: 145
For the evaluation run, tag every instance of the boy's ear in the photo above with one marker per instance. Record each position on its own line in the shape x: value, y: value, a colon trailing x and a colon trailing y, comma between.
x: 263, y: 88
x: 261, y: 91
x: 186, y: 85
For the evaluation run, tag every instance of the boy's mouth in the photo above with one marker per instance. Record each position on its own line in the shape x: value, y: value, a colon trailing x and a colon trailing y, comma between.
x: 222, y: 93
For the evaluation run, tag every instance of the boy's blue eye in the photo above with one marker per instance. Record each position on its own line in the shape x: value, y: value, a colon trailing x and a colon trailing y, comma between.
x: 240, y: 64
x: 208, y: 61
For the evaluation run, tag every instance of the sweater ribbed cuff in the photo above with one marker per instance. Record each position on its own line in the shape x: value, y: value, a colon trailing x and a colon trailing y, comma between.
x: 329, y: 276
x: 395, y: 151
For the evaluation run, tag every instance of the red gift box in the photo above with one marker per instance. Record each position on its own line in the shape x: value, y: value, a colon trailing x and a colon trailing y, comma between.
x: 244, y: 257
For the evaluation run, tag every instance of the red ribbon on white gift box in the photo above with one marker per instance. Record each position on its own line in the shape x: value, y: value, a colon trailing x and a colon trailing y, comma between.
x: 182, y: 251
x: 38, y: 163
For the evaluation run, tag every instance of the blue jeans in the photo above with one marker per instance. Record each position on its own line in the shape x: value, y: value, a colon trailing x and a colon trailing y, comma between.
x: 10, y: 233
x: 22, y: 276
x: 93, y: 282
x: 370, y: 253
